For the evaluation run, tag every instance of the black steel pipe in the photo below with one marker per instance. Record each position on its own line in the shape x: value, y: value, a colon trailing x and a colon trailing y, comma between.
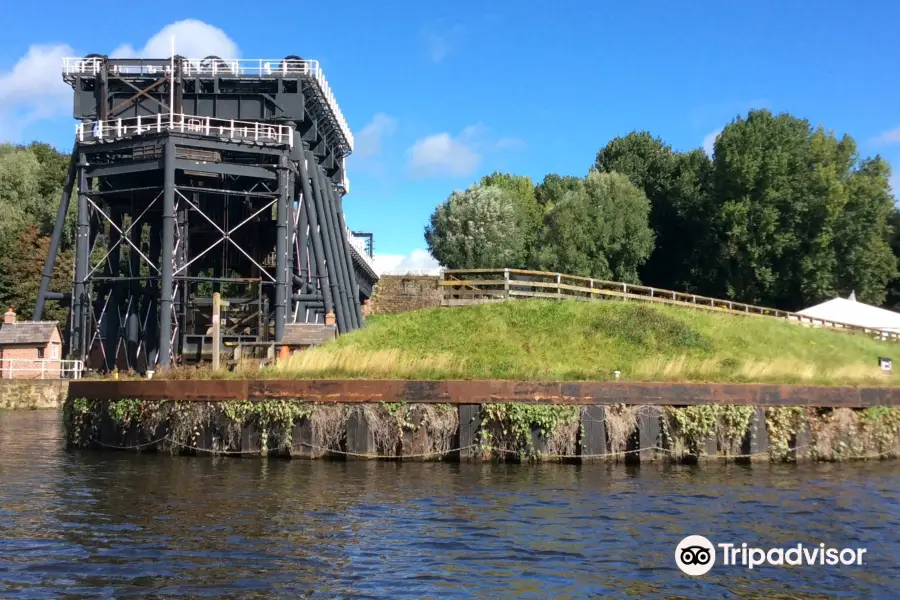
x: 168, y: 248
x: 342, y: 250
x: 351, y: 272
x: 307, y: 297
x: 333, y: 239
x: 331, y: 263
x: 317, y: 245
x: 50, y: 262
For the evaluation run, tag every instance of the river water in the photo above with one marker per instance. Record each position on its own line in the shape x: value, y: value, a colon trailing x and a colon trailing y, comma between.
x: 116, y: 525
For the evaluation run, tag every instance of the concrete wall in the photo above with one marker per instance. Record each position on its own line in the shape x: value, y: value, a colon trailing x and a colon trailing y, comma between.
x: 402, y: 293
x: 32, y: 394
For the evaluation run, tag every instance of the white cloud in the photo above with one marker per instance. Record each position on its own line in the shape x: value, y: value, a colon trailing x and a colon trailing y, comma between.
x: 439, y: 44
x: 193, y: 39
x: 709, y: 142
x: 33, y: 89
x: 368, y: 140
x: 441, y: 154
x: 891, y: 136
x: 417, y: 262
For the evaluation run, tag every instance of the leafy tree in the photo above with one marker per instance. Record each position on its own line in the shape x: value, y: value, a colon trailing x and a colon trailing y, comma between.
x: 477, y: 228
x: 677, y: 186
x: 866, y: 262
x: 31, y: 181
x: 600, y: 230
x: 554, y: 188
x: 25, y: 266
x: 801, y: 220
x: 521, y: 189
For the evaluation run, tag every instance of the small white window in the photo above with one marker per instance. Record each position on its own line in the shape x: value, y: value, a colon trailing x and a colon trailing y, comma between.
x: 54, y: 352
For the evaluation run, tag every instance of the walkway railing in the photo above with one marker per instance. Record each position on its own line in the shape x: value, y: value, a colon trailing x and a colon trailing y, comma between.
x: 37, y: 368
x: 212, y: 67
x: 221, y: 128
x: 359, y: 246
x: 462, y: 287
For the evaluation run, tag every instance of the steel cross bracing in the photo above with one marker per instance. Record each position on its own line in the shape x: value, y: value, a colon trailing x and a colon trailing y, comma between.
x: 139, y: 299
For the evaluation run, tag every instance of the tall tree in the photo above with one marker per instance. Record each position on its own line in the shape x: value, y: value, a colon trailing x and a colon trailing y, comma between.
x: 554, y: 188
x: 31, y: 181
x: 677, y: 187
x: 478, y: 228
x: 600, y: 230
x: 521, y: 190
x: 799, y: 221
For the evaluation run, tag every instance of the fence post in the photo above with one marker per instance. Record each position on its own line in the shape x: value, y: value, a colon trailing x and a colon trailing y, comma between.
x: 506, y: 283
x: 591, y: 296
x: 216, y: 330
x: 558, y: 289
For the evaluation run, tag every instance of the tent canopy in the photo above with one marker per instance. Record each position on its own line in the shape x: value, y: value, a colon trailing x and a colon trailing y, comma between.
x: 851, y: 312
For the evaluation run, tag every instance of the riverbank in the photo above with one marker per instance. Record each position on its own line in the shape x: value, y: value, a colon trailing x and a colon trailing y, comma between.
x: 598, y: 341
x: 496, y: 421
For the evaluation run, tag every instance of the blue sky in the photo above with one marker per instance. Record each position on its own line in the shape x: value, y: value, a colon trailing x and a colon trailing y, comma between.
x: 439, y: 94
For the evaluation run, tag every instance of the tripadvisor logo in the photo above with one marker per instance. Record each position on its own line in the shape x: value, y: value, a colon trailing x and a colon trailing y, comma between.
x: 695, y: 555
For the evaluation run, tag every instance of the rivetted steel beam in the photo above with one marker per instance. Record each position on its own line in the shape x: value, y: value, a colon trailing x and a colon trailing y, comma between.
x: 318, y: 247
x: 167, y: 279
x: 50, y: 262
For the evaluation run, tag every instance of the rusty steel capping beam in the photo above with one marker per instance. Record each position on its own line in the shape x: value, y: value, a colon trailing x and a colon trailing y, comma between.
x: 487, y: 392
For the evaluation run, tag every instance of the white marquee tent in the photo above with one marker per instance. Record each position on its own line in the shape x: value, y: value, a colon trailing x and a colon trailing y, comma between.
x: 851, y: 312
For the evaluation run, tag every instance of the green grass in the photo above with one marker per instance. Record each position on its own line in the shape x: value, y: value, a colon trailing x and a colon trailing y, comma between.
x: 551, y: 340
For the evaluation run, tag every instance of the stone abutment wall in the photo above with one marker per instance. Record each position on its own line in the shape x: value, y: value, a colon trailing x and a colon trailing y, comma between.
x: 403, y: 293
x: 32, y: 394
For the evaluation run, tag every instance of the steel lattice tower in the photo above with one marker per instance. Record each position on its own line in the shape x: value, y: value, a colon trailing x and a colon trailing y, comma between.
x: 194, y: 176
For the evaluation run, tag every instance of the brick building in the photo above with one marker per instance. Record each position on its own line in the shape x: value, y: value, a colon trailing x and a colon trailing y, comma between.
x: 29, y: 349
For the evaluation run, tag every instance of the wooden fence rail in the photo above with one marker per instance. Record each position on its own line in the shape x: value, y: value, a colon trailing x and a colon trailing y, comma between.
x: 463, y: 287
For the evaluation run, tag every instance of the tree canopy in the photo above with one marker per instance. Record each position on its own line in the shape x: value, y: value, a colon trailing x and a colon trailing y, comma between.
x: 783, y: 214
x: 478, y: 228
x: 31, y: 182
x: 600, y: 230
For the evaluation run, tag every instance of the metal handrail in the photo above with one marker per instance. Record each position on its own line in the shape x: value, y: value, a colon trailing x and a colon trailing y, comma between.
x: 228, y: 128
x: 64, y: 369
x: 242, y: 67
x: 473, y: 286
x: 360, y: 248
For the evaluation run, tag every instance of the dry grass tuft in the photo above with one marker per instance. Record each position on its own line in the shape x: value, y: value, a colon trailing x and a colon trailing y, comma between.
x: 358, y: 362
x: 621, y: 421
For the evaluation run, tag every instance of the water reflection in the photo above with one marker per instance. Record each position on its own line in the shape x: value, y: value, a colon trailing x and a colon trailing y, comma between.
x: 89, y: 524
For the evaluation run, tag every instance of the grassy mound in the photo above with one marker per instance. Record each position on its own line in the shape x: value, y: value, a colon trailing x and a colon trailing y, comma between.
x: 550, y: 340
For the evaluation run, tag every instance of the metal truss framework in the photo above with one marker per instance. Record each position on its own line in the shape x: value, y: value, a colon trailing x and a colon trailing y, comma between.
x: 165, y: 218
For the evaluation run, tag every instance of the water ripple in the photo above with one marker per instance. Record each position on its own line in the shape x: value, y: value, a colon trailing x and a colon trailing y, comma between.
x: 109, y: 525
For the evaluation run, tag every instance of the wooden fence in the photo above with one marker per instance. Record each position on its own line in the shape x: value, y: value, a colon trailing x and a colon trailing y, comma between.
x: 463, y: 287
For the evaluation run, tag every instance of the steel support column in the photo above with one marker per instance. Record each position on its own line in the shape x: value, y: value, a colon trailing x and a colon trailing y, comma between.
x: 342, y: 254
x: 332, y: 262
x: 282, y: 276
x: 47, y: 275
x: 168, y: 243
x: 348, y: 260
x: 319, y: 233
x: 82, y: 260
